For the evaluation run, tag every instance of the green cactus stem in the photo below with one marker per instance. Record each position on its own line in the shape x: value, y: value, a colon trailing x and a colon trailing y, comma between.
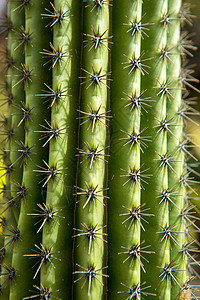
x: 128, y: 141
x: 174, y: 142
x: 11, y: 233
x: 33, y: 76
x: 91, y: 196
x: 58, y: 229
x: 157, y: 158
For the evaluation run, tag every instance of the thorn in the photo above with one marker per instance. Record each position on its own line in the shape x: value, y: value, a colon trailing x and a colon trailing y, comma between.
x: 185, y: 45
x: 186, y: 250
x: 193, y: 271
x: 169, y: 234
x: 185, y: 180
x: 136, y: 291
x: 7, y: 100
x: 51, y: 132
x: 168, y: 273
x: 54, y: 96
x: 91, y: 234
x: 96, y: 78
x: 136, y: 139
x: 165, y: 54
x: 137, y: 27
x: 90, y: 274
x: 10, y: 203
x: 165, y: 161
x: 2, y: 224
x: 134, y: 252
x: 5, y: 26
x: 187, y: 290
x: 24, y: 38
x: 8, y: 169
x: 57, y: 16
x: 7, y: 60
x: 167, y: 196
x: 42, y: 293
x: 165, y: 90
x: 92, y: 154
x: 24, y: 4
x: 98, y: 4
x: 164, y: 125
x: 9, y: 134
x: 183, y: 146
x: 136, y: 63
x: 185, y: 15
x: 136, y: 176
x: 50, y: 172
x: 56, y: 56
x: 136, y: 214
x: 185, y: 111
x: 90, y: 194
x: 24, y: 151
x: 46, y: 215
x: 44, y: 256
x: 13, y: 234
x: 97, y: 40
x: 186, y: 79
x: 9, y: 274
x: 25, y: 112
x: 166, y: 19
x: 137, y: 102
x: 24, y: 76
x: 21, y: 191
x: 187, y: 216
x: 94, y: 117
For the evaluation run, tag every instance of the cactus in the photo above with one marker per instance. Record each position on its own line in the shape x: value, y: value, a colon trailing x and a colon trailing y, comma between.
x: 98, y: 195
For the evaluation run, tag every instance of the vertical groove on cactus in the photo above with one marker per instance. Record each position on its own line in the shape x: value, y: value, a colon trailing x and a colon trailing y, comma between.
x: 90, y: 191
x: 157, y: 158
x: 33, y: 75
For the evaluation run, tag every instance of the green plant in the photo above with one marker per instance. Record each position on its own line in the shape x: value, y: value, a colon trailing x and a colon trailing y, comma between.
x: 95, y: 150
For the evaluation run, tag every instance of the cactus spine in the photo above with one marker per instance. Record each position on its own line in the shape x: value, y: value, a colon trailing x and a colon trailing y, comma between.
x: 100, y: 182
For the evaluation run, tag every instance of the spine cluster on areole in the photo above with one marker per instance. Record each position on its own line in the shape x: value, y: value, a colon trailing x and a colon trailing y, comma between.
x: 98, y: 201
